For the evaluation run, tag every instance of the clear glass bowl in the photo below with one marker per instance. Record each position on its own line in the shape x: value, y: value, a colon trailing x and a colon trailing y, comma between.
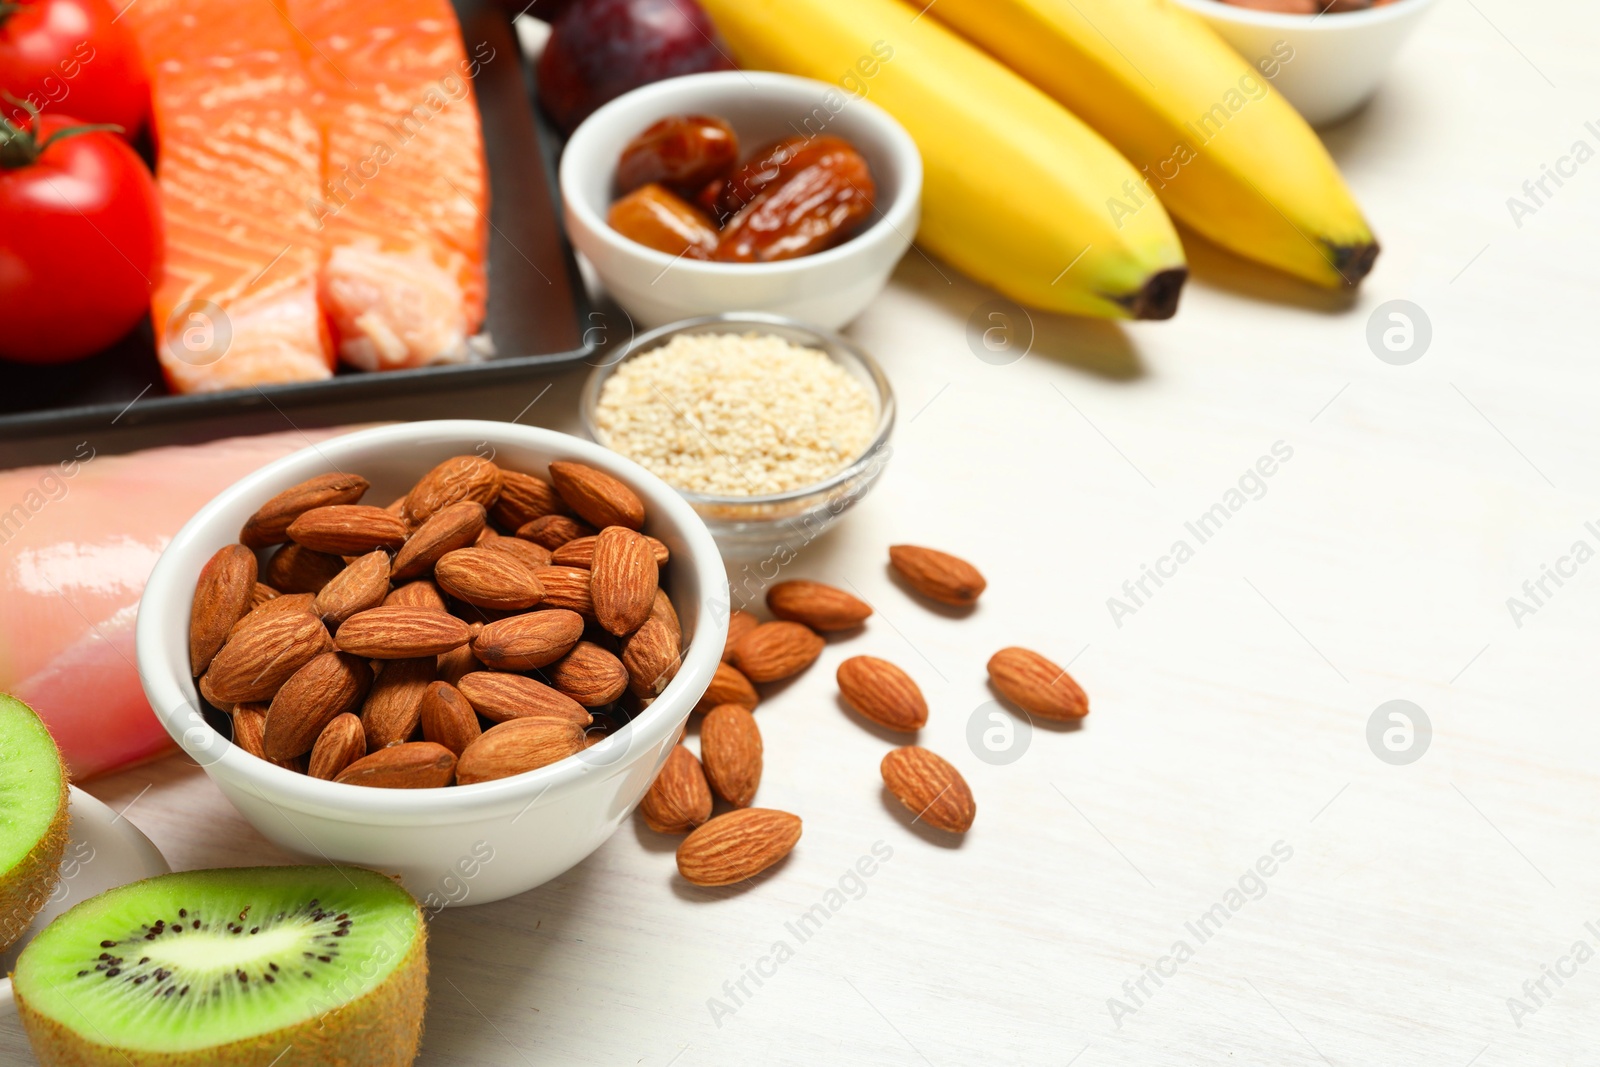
x: 756, y: 526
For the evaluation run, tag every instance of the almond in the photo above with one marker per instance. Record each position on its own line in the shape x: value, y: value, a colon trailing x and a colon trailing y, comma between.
x: 341, y: 744
x: 502, y: 697
x: 776, y: 650
x: 679, y: 799
x: 488, y: 579
x: 596, y: 496
x: 203, y: 684
x: 401, y: 633
x: 297, y: 569
x: 270, y: 524
x: 222, y: 597
x: 332, y: 684
x: 651, y: 656
x: 249, y: 721
x: 730, y: 743
x: 457, y: 478
x: 739, y: 624
x: 567, y: 587
x: 287, y: 604
x: 524, y: 642
x: 882, y: 692
x: 534, y: 556
x: 579, y: 552
x: 457, y: 663
x: 451, y: 527
x: 348, y: 529
x: 262, y: 653
x: 622, y: 579
x: 518, y: 746
x: 523, y: 498
x: 589, y: 674
x: 1036, y: 685
x: 363, y: 584
x: 728, y: 686
x: 662, y: 609
x: 393, y: 706
x: 937, y: 575
x: 415, y: 765
x: 738, y: 845
x: 447, y: 718
x: 421, y: 593
x: 553, y: 531
x: 932, y: 789
x: 261, y: 594
x: 819, y: 606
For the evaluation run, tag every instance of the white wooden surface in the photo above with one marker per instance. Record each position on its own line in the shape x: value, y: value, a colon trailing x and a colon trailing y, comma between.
x: 1229, y: 712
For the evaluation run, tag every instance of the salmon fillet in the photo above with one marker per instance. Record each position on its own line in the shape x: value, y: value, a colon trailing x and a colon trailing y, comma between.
x: 404, y: 196
x: 239, y: 168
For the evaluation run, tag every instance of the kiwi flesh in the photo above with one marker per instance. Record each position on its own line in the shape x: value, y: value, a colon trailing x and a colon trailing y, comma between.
x: 33, y: 817
x: 280, y: 966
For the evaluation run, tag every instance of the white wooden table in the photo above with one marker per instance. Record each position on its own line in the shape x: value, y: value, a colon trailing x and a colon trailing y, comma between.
x: 1230, y: 710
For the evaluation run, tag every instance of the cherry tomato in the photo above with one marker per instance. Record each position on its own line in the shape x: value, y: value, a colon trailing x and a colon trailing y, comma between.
x: 71, y: 57
x: 81, y: 239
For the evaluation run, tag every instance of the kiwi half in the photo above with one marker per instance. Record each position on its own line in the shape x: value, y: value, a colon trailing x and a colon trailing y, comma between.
x: 33, y: 817
x: 250, y: 965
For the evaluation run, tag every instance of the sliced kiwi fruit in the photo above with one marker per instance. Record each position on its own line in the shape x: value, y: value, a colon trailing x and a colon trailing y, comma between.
x: 280, y: 966
x: 33, y: 817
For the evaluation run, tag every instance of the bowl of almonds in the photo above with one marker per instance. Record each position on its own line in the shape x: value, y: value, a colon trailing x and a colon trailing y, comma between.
x: 458, y: 651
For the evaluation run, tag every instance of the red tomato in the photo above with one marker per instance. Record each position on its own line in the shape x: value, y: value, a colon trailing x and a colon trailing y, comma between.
x: 72, y: 57
x: 81, y: 241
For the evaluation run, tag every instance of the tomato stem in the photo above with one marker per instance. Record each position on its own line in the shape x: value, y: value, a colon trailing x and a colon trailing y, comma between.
x: 20, y: 145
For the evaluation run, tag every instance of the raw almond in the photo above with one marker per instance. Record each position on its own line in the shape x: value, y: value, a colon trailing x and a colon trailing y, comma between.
x: 739, y: 624
x: 249, y: 721
x: 819, y: 606
x: 270, y: 524
x: 651, y: 656
x: 222, y: 597
x: 579, y: 552
x: 1036, y: 685
x: 331, y: 685
x: 451, y: 527
x: 662, y: 609
x: 262, y: 653
x: 421, y: 593
x: 414, y: 765
x: 502, y: 697
x: 679, y: 799
x: 728, y: 686
x: 488, y: 579
x: 937, y: 575
x: 776, y: 650
x: 287, y: 604
x: 738, y: 845
x: 297, y: 569
x: 393, y: 707
x: 534, y: 556
x: 457, y: 663
x: 622, y: 579
x: 203, y: 684
x: 348, y: 529
x: 524, y: 642
x: 589, y: 674
x: 518, y: 746
x: 523, y: 498
x: 401, y: 633
x: 597, y: 497
x: 553, y: 531
x: 342, y: 743
x: 261, y: 594
x: 363, y: 584
x: 730, y: 743
x: 883, y: 693
x: 930, y: 788
x: 448, y: 719
x: 457, y: 478
x: 567, y: 587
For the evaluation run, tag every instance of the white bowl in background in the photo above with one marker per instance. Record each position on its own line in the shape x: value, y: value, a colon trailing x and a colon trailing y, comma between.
x: 1337, y: 60
x: 827, y: 289
x: 467, y: 844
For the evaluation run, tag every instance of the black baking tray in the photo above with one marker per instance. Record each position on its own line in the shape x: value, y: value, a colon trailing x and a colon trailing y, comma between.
x: 538, y: 314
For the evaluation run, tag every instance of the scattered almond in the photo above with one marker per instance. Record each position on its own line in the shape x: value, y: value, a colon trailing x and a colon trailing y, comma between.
x: 730, y: 743
x: 882, y: 692
x: 679, y: 799
x: 363, y: 584
x: 341, y: 744
x: 523, y: 498
x: 622, y: 579
x: 298, y: 569
x: 414, y: 765
x: 821, y: 607
x: 728, y: 686
x: 222, y: 597
x: 393, y: 706
x: 775, y: 650
x: 332, y: 684
x: 938, y: 575
x: 651, y: 656
x: 270, y: 524
x: 597, y: 497
x: 739, y: 623
x: 1036, y: 685
x: 589, y: 674
x: 348, y: 529
x: 488, y: 579
x: 553, y: 531
x: 401, y: 633
x: 451, y: 527
x: 738, y: 845
x: 930, y: 788
x: 447, y: 718
x: 502, y: 697
x: 518, y: 746
x: 457, y: 478
x: 262, y: 653
x: 524, y: 642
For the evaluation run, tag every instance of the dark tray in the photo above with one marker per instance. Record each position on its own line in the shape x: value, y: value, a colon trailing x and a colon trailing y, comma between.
x: 537, y: 311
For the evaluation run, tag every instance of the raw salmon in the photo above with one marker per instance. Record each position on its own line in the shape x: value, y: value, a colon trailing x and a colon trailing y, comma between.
x: 239, y: 160
x: 404, y: 196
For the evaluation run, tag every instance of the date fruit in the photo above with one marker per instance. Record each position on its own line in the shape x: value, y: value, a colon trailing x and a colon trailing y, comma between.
x: 682, y: 152
x: 657, y: 218
x: 821, y: 205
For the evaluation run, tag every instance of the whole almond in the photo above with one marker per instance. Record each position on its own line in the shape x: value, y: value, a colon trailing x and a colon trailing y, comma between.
x: 567, y: 587
x: 394, y: 705
x: 534, y: 556
x: 739, y: 624
x: 662, y: 609
x: 679, y: 799
x: 501, y: 697
x: 401, y: 633
x: 819, y: 606
x: 262, y: 653
x: 730, y: 744
x: 1036, y: 685
x: 579, y: 552
x: 457, y: 663
x: 776, y: 650
x: 524, y: 642
x: 553, y: 531
x: 447, y: 718
x: 597, y: 497
x: 651, y: 657
x: 882, y: 692
x: 342, y: 743
x: 523, y: 498
x: 286, y: 604
x: 348, y: 529
x: 451, y: 527
x: 203, y: 684
x: 487, y: 579
x: 421, y: 593
x: 937, y: 575
x: 222, y: 597
x: 249, y: 722
x: 261, y: 594
x: 457, y: 478
x: 738, y: 845
x: 270, y: 524
x: 517, y: 746
x: 331, y: 685
x: 728, y: 686
x: 414, y: 765
x: 622, y: 579
x: 589, y: 674
x: 363, y: 584
x: 930, y: 788
x: 297, y: 569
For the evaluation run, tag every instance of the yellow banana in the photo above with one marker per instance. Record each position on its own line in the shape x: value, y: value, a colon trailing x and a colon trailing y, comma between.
x: 1223, y: 150
x: 1015, y: 187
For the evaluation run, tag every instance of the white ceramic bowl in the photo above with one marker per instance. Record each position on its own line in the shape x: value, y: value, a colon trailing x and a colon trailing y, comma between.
x: 461, y: 844
x: 1337, y: 59
x: 827, y: 289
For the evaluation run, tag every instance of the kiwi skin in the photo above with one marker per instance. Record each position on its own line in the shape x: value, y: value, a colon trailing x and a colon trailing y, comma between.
x: 26, y: 888
x: 383, y: 1028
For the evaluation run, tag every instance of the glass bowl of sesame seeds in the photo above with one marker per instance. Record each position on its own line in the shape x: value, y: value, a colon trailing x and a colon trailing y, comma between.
x: 771, y: 429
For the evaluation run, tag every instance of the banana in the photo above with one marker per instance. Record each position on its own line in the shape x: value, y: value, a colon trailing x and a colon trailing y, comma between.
x: 1212, y: 140
x: 1015, y: 187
